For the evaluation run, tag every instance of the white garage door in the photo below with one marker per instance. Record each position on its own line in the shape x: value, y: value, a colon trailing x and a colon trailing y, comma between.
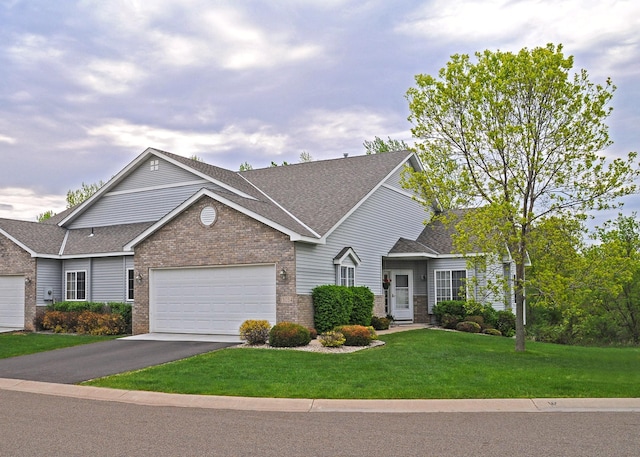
x: 211, y: 300
x: 12, y: 301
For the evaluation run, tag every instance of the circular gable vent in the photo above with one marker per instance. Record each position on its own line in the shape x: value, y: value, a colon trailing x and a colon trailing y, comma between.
x: 208, y: 215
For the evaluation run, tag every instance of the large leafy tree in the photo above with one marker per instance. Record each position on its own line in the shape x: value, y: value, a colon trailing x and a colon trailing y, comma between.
x: 520, y: 138
x: 613, y: 275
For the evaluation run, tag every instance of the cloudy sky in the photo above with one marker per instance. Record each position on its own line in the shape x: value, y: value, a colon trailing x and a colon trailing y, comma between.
x: 86, y: 86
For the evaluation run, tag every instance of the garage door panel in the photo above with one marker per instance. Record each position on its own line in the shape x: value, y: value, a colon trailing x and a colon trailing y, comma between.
x: 211, y: 300
x: 12, y: 301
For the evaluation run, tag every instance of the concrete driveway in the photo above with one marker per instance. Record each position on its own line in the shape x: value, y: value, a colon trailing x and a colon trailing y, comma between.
x: 89, y: 361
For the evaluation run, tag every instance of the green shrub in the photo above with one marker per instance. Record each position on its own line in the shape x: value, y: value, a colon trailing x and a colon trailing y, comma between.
x: 93, y: 323
x: 372, y: 332
x: 449, y: 321
x: 255, y: 331
x: 467, y: 326
x: 380, y: 323
x: 332, y: 306
x: 477, y: 319
x: 490, y: 316
x: 313, y: 333
x: 452, y: 307
x: 492, y: 331
x: 362, y: 305
x: 124, y: 310
x: 472, y: 308
x: 355, y: 335
x: 288, y: 334
x: 506, y: 323
x: 332, y: 339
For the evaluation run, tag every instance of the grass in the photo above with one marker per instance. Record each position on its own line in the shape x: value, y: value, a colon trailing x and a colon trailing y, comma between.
x: 22, y: 343
x: 413, y: 364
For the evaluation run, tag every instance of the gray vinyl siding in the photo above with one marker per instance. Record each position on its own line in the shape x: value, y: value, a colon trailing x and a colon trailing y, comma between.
x: 395, y: 179
x: 150, y: 205
x: 371, y: 231
x: 76, y: 265
x: 108, y: 279
x: 166, y: 174
x: 49, y: 274
x: 419, y: 268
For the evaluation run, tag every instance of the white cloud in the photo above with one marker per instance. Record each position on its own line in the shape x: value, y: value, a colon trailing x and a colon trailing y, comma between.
x: 25, y: 204
x: 216, y: 34
x: 31, y: 48
x: 123, y: 133
x: 337, y: 131
x: 589, y: 26
x: 7, y: 139
x: 110, y: 76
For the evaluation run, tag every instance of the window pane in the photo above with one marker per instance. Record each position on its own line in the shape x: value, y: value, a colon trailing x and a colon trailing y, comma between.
x: 458, y: 290
x: 130, y: 281
x: 80, y: 286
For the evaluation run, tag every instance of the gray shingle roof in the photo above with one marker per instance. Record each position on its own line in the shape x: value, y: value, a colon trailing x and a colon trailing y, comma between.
x: 320, y: 193
x: 104, y: 240
x: 436, y: 238
x: 308, y: 199
x: 38, y: 237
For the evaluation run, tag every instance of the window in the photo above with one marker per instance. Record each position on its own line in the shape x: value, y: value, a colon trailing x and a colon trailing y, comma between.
x: 346, y: 263
x: 76, y: 285
x: 450, y: 285
x: 154, y: 165
x: 347, y: 276
x: 130, y: 283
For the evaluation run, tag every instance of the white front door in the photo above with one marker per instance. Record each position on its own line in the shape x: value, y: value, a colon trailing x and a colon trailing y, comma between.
x: 402, y: 295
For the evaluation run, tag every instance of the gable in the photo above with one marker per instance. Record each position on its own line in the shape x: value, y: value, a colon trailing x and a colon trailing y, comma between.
x: 322, y: 194
x: 155, y: 172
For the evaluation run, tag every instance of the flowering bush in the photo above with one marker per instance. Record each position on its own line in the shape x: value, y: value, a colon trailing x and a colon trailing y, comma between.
x: 332, y: 339
x: 255, y: 331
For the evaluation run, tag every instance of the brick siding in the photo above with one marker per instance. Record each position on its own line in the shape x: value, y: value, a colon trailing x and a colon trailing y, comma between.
x: 16, y: 261
x: 234, y: 239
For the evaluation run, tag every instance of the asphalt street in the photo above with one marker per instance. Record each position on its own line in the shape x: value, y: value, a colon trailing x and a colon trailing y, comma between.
x: 36, y: 425
x: 89, y: 361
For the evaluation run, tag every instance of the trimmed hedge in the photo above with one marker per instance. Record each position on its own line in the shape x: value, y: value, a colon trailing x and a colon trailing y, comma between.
x: 340, y: 305
x: 362, y: 305
x: 450, y: 314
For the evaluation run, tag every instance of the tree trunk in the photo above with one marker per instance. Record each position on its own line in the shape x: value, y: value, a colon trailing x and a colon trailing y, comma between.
x: 519, y: 292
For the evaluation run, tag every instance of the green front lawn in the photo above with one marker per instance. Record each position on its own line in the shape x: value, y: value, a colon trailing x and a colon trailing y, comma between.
x: 413, y: 364
x: 19, y: 343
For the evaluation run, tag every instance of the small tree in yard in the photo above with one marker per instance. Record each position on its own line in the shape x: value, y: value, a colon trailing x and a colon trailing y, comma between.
x: 519, y: 139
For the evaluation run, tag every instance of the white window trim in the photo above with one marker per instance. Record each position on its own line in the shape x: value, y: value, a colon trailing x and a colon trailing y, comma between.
x: 347, y: 279
x: 75, y: 291
x: 130, y: 277
x: 450, y: 286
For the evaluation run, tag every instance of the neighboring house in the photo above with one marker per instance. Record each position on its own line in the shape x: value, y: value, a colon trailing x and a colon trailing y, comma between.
x: 199, y: 249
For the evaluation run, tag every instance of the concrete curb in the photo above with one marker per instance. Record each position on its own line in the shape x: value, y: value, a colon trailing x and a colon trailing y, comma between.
x: 300, y: 405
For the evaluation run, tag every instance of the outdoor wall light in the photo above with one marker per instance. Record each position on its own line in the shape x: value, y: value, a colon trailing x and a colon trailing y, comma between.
x: 139, y: 278
x: 283, y: 274
x: 27, y: 280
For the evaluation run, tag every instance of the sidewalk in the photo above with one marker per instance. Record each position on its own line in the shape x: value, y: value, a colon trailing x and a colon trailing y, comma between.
x: 302, y: 405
